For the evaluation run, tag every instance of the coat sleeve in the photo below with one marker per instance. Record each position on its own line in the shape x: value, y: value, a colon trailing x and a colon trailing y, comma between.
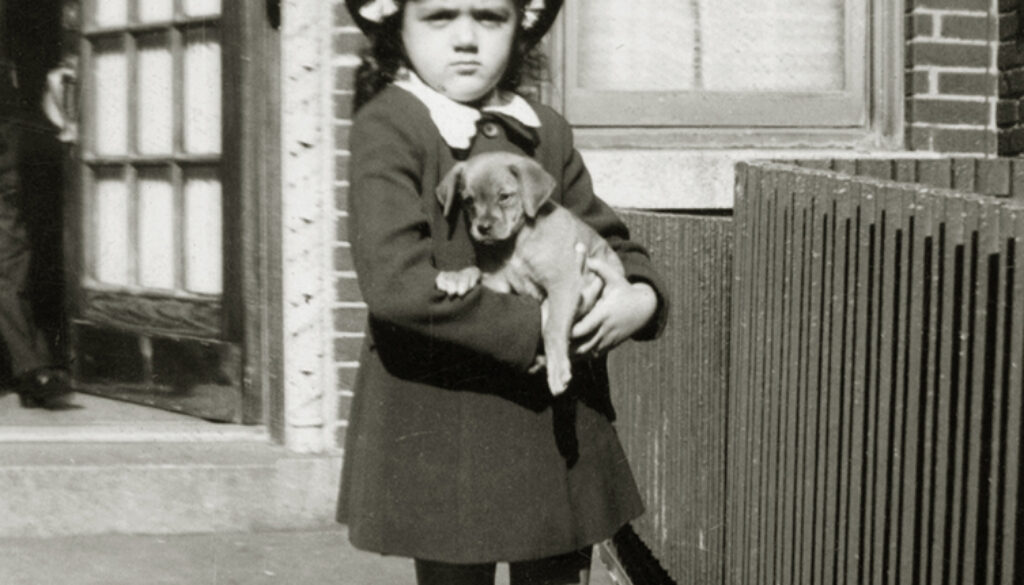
x: 393, y: 252
x: 578, y: 197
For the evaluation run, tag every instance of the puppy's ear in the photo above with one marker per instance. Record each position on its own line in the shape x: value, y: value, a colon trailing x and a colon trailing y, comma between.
x: 448, y: 190
x: 535, y: 184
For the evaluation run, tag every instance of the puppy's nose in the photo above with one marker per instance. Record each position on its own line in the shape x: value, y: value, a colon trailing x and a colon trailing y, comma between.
x: 483, y: 228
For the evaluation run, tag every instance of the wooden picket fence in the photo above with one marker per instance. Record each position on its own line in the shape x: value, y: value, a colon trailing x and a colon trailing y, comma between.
x: 862, y: 421
x: 671, y: 396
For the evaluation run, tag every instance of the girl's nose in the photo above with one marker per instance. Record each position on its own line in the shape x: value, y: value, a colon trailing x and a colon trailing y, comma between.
x: 464, y: 34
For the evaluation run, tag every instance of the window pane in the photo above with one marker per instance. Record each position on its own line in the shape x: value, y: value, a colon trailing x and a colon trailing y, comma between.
x: 203, y: 238
x: 202, y: 7
x: 156, y: 229
x: 202, y: 91
x: 155, y: 10
x: 637, y: 45
x: 156, y: 94
x: 774, y: 45
x: 111, y: 98
x: 746, y: 45
x: 110, y: 12
x: 111, y: 240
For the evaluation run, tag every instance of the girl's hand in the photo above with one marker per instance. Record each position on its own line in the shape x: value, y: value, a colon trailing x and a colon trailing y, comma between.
x: 622, y: 309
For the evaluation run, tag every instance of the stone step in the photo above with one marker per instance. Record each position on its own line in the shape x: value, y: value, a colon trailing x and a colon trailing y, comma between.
x: 161, y: 485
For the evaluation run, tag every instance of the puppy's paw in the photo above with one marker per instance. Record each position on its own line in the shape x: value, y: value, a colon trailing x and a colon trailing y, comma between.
x: 559, y: 374
x: 456, y: 283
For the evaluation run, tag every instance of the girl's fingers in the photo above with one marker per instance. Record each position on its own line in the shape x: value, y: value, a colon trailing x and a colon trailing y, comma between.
x: 598, y: 344
x: 586, y: 326
x: 603, y: 269
x: 588, y: 346
x: 590, y: 293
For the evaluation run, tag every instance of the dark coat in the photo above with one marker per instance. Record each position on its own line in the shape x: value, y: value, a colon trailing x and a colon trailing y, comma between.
x: 454, y: 452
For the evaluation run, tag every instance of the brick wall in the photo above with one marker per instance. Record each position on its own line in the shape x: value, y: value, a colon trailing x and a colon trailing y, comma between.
x: 1011, y: 80
x: 349, y: 310
x: 950, y: 76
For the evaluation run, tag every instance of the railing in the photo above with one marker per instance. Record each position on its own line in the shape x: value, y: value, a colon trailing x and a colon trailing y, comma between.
x: 1000, y: 177
x: 876, y: 381
x: 840, y: 395
x: 671, y: 396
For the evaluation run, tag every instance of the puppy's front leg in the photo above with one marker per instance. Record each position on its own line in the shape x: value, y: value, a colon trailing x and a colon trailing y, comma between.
x: 456, y: 283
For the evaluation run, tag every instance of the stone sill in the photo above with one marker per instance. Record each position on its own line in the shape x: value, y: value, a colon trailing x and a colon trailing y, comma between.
x: 693, y: 179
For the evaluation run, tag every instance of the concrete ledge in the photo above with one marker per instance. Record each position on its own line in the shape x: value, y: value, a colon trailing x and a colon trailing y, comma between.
x: 133, y: 433
x: 56, y: 489
x: 691, y: 179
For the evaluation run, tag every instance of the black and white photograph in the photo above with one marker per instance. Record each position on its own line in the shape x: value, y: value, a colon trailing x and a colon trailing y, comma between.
x: 511, y: 292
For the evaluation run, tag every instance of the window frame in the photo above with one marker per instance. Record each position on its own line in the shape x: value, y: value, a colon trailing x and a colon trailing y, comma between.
x: 873, y: 119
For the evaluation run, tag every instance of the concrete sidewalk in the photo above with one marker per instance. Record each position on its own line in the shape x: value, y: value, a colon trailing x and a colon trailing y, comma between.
x: 278, y: 558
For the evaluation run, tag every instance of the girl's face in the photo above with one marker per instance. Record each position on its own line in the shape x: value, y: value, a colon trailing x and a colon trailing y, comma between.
x: 459, y: 47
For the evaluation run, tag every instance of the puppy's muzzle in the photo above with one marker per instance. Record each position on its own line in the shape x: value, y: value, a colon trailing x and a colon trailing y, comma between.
x: 483, y: 229
x: 487, y: 231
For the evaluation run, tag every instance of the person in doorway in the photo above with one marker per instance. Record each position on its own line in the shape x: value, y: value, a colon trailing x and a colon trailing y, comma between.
x: 457, y: 454
x: 40, y: 382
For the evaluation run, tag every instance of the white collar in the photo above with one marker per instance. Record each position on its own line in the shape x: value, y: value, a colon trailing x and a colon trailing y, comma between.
x: 457, y: 122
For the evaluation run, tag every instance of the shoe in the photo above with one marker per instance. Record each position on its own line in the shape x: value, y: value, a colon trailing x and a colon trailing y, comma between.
x: 47, y: 388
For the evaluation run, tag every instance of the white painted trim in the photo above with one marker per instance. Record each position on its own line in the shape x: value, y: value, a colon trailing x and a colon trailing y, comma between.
x: 308, y: 219
x: 950, y: 12
x: 949, y: 41
x: 995, y: 40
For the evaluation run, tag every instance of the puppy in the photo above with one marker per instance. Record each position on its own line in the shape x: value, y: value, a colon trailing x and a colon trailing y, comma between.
x: 526, y: 244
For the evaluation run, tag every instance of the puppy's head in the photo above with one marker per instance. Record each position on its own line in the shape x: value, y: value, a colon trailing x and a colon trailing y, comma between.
x: 500, y: 191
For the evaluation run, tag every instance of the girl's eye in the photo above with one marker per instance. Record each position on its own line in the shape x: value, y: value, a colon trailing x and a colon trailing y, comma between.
x: 440, y: 16
x: 492, y: 17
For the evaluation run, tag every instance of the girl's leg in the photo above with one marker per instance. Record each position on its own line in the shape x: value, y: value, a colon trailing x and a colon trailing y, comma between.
x: 568, y: 569
x: 437, y: 573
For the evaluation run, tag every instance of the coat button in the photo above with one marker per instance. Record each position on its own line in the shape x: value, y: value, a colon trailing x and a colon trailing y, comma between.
x: 490, y: 129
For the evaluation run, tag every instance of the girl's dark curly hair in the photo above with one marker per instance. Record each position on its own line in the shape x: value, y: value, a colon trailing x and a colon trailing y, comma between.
x: 386, y: 55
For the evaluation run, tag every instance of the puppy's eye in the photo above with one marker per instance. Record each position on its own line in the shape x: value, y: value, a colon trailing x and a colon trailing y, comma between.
x: 504, y: 197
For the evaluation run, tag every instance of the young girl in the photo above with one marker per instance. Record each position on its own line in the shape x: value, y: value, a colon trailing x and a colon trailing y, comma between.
x: 457, y: 455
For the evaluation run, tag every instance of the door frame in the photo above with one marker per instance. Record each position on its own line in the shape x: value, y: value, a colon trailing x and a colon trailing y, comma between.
x: 253, y: 293
x: 252, y: 80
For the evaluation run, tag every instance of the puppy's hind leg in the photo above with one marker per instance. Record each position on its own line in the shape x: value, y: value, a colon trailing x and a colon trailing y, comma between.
x: 561, y: 303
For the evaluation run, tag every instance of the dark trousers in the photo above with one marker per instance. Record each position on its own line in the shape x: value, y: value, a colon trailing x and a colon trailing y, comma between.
x: 25, y: 342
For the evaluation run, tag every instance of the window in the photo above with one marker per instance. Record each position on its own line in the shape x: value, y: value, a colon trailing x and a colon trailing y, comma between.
x: 756, y: 65
x: 152, y: 152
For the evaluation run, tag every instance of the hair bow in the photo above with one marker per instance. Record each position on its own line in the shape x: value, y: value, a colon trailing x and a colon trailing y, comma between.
x: 532, y: 14
x: 377, y: 10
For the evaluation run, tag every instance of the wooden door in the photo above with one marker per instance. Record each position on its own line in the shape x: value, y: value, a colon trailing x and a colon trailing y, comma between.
x: 151, y: 244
